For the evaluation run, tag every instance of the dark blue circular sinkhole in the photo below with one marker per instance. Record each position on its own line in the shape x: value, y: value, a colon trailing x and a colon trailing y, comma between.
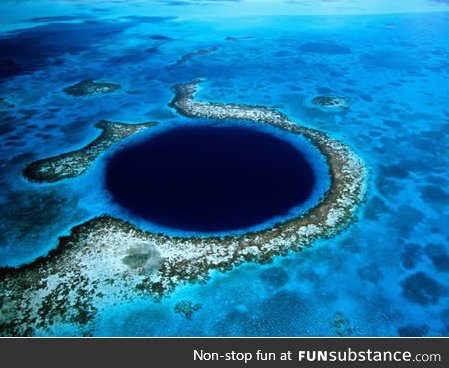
x: 210, y: 178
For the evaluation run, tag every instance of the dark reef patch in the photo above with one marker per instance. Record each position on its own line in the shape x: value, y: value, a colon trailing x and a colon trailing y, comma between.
x: 7, y: 128
x: 342, y: 326
x: 411, y: 256
x: 148, y: 18
x: 160, y: 37
x: 325, y: 47
x: 132, y: 56
x: 392, y: 60
x: 4, y: 104
x: 387, y: 186
x: 366, y: 97
x: 434, y: 195
x: 421, y: 289
x: 274, y: 276
x: 370, y: 273
x: 413, y: 331
x: 22, y: 157
x: 238, y: 38
x: 395, y: 171
x: 374, y: 208
x: 190, y: 55
x: 24, y: 214
x: 323, y: 90
x: 57, y: 18
x: 439, y: 256
x: 152, y: 50
x: 187, y: 308
x: 210, y: 178
x: 27, y: 50
x: 406, y: 219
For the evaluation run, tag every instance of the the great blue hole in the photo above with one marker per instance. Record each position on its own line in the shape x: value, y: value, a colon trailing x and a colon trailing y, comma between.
x: 210, y: 178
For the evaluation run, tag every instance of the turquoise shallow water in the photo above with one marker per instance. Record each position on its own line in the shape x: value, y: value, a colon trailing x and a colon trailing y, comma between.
x: 386, y: 275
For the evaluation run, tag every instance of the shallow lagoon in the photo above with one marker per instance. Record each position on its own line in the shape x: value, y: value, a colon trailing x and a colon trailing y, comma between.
x: 387, y: 274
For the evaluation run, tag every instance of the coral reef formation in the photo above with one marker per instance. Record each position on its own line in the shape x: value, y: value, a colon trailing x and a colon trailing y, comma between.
x: 106, y: 260
x: 90, y: 87
x: 75, y: 163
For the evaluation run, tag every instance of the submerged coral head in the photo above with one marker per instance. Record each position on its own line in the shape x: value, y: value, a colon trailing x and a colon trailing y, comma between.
x: 211, y: 178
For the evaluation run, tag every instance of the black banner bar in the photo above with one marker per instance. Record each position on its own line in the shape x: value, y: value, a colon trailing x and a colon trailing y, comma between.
x: 228, y: 352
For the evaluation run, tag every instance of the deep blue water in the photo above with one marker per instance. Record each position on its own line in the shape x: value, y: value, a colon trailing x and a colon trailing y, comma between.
x: 388, y: 273
x: 210, y: 178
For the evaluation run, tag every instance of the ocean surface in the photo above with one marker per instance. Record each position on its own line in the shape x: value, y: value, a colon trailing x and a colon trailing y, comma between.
x: 387, y: 274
